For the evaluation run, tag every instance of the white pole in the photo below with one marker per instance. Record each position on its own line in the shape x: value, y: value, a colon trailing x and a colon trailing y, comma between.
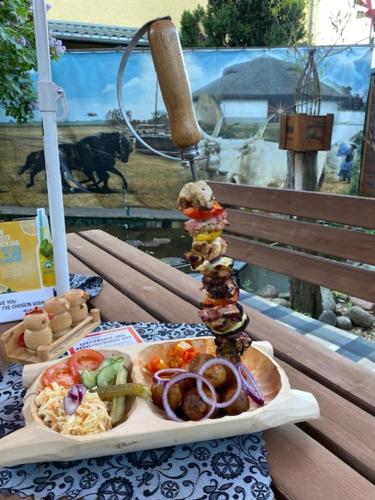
x: 47, y: 101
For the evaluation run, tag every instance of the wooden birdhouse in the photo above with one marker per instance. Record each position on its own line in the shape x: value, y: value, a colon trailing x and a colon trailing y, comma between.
x: 302, y: 132
x: 306, y: 130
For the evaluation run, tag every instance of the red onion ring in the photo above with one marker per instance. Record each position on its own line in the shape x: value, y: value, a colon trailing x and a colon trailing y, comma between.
x: 228, y: 364
x: 171, y: 414
x: 158, y: 376
x: 249, y: 384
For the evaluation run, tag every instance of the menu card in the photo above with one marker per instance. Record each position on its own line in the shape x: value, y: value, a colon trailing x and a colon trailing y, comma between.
x: 123, y: 335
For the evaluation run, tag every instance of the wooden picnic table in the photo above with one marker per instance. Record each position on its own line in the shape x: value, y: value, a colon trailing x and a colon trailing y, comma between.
x: 331, y: 457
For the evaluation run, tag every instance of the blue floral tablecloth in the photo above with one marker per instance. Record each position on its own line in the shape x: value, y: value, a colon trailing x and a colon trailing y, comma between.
x: 221, y: 469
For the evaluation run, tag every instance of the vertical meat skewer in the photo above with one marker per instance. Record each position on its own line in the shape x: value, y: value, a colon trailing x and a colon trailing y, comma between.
x: 220, y: 311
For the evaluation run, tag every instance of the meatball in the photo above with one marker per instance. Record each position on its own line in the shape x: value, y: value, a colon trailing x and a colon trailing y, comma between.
x: 216, y: 374
x: 193, y: 406
x: 174, y: 397
x: 241, y: 404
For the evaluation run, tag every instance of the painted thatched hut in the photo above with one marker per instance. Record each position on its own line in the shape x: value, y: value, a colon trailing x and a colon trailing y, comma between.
x: 253, y: 90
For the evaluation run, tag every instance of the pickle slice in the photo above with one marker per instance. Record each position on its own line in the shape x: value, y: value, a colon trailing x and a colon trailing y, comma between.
x: 131, y: 389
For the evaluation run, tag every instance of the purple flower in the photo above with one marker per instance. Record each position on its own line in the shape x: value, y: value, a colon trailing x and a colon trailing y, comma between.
x: 48, y: 6
x: 22, y: 41
x: 52, y: 41
x: 20, y: 20
x: 60, y: 50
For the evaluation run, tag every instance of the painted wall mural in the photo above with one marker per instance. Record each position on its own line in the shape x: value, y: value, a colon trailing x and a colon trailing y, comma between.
x: 238, y: 96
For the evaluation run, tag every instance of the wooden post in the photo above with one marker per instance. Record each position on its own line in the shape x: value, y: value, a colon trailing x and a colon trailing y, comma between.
x: 303, y: 175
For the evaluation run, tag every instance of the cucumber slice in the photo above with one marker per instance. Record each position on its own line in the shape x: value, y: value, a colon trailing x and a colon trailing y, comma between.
x: 88, y: 378
x: 107, y: 375
x: 106, y: 362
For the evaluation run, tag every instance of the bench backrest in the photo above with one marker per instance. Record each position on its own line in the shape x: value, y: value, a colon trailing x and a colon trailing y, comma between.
x: 262, y: 229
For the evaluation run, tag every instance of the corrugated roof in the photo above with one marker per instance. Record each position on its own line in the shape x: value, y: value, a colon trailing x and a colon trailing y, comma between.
x: 102, y: 33
x: 260, y: 77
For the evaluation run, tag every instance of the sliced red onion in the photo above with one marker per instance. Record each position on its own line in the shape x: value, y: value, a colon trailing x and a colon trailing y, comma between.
x: 73, y: 394
x: 183, y: 376
x: 81, y: 391
x: 74, y: 398
x: 70, y: 406
x: 232, y: 367
x: 158, y: 376
x: 249, y: 384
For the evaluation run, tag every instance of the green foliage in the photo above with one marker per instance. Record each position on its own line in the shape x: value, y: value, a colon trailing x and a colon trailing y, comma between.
x: 18, y: 58
x: 191, y: 29
x: 244, y: 23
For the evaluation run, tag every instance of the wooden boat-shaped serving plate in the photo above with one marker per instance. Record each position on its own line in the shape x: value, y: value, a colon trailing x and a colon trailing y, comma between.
x: 145, y: 426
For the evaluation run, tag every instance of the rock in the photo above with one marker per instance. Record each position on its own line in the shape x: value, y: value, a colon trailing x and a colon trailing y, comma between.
x: 281, y: 302
x: 365, y: 304
x: 328, y: 300
x: 344, y: 323
x: 361, y: 317
x: 328, y: 317
x: 268, y: 292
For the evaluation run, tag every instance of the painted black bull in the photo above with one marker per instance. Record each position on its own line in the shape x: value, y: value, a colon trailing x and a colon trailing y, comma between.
x: 95, y: 156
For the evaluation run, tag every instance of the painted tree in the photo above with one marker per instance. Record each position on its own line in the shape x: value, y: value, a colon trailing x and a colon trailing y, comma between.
x: 244, y: 23
x: 18, y: 58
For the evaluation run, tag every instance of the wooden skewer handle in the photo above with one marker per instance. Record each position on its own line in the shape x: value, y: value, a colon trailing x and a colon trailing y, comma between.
x: 174, y: 85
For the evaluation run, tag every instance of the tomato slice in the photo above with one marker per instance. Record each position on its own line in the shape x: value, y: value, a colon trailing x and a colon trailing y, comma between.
x: 87, y: 359
x: 209, y: 302
x: 61, y: 374
x: 199, y: 214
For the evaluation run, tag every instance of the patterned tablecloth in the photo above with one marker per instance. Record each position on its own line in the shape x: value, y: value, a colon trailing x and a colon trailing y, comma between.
x: 222, y: 469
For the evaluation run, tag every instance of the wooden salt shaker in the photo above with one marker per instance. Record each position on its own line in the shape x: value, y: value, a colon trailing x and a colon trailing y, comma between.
x: 37, y: 330
x: 78, y: 308
x: 60, y: 318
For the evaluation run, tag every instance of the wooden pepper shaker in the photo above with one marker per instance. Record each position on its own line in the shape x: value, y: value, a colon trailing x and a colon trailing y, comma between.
x: 37, y: 330
x: 61, y: 320
x: 78, y: 308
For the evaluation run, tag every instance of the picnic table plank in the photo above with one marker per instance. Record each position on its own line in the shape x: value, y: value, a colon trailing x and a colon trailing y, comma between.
x: 301, y: 468
x: 343, y: 428
x: 355, y: 383
x: 156, y: 300
x: 111, y: 299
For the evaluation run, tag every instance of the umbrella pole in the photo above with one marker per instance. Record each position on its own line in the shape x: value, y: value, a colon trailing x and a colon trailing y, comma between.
x: 47, y: 101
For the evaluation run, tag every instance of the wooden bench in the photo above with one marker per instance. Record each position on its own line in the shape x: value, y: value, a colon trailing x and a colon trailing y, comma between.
x: 262, y: 227
x: 329, y: 457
